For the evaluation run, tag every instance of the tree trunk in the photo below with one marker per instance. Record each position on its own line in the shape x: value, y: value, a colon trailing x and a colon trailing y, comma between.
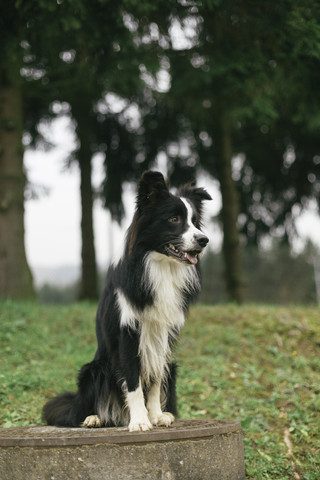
x: 88, y: 287
x: 231, y: 245
x: 15, y: 275
x: 316, y: 269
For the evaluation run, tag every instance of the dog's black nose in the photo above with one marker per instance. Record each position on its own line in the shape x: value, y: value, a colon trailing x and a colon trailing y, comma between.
x: 202, y: 240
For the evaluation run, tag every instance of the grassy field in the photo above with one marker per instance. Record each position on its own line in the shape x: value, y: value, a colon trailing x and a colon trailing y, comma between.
x: 256, y: 364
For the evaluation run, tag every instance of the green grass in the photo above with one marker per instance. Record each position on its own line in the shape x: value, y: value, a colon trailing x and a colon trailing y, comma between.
x: 256, y: 364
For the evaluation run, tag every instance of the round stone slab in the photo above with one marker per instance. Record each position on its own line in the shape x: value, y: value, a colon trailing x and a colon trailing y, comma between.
x: 187, y: 450
x: 53, y: 436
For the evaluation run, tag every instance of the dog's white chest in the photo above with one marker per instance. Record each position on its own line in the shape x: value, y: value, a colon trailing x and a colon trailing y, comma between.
x: 164, y: 318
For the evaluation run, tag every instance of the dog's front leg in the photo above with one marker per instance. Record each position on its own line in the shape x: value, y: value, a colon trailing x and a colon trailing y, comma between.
x: 130, y: 365
x: 139, y: 420
x: 156, y: 415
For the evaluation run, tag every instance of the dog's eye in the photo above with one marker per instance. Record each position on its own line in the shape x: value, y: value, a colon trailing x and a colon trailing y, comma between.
x: 175, y: 219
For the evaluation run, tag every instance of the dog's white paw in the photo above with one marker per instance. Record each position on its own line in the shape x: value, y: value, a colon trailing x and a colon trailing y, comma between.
x: 92, y: 421
x: 140, y: 426
x: 163, y: 419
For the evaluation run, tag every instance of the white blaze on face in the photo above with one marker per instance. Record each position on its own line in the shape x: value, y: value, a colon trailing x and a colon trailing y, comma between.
x: 188, y: 237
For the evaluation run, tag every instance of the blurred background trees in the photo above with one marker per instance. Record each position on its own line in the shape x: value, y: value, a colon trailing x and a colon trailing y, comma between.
x: 229, y: 89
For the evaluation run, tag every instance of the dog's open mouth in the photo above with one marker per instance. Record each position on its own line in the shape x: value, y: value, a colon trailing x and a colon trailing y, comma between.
x: 191, y: 257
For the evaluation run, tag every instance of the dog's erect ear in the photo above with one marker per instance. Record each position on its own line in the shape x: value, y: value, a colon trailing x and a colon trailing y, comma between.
x: 196, y: 194
x: 152, y: 187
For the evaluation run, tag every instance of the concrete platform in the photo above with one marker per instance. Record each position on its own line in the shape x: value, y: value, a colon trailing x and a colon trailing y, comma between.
x: 188, y: 450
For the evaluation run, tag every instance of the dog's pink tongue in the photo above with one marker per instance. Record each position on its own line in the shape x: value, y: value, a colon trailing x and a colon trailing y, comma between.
x: 191, y: 259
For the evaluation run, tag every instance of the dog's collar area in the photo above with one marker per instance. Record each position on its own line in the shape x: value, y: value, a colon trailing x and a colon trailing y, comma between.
x: 190, y: 258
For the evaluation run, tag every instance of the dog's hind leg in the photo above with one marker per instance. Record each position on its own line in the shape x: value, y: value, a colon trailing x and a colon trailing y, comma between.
x: 93, y: 383
x: 77, y: 409
x: 91, y: 421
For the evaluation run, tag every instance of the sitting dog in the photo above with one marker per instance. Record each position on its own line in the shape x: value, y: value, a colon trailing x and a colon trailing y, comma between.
x: 130, y: 381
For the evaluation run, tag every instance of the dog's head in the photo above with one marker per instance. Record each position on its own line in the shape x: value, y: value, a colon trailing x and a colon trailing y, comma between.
x: 166, y: 223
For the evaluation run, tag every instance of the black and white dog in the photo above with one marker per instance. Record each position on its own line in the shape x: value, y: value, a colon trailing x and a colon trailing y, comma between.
x: 130, y: 381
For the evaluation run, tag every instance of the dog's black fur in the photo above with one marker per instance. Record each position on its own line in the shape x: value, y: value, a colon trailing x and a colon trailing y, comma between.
x: 141, y: 311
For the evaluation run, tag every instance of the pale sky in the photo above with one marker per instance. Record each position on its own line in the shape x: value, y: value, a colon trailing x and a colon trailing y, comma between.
x: 52, y: 222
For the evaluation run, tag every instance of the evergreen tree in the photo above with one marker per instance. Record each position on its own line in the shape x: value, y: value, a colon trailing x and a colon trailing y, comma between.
x: 84, y: 51
x: 280, y: 174
x: 241, y: 76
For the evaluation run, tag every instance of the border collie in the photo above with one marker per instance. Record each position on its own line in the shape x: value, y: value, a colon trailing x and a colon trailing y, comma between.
x: 130, y: 381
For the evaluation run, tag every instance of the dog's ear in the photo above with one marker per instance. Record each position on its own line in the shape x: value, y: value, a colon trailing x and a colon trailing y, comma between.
x: 151, y: 187
x: 196, y: 194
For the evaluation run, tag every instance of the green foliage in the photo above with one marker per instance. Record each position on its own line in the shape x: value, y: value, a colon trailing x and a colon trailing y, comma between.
x: 243, y: 62
x: 270, y: 276
x: 254, y: 64
x: 255, y: 364
x: 55, y: 295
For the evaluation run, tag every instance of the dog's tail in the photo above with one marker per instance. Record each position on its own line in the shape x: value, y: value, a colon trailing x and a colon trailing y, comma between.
x: 60, y: 410
x: 71, y: 408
